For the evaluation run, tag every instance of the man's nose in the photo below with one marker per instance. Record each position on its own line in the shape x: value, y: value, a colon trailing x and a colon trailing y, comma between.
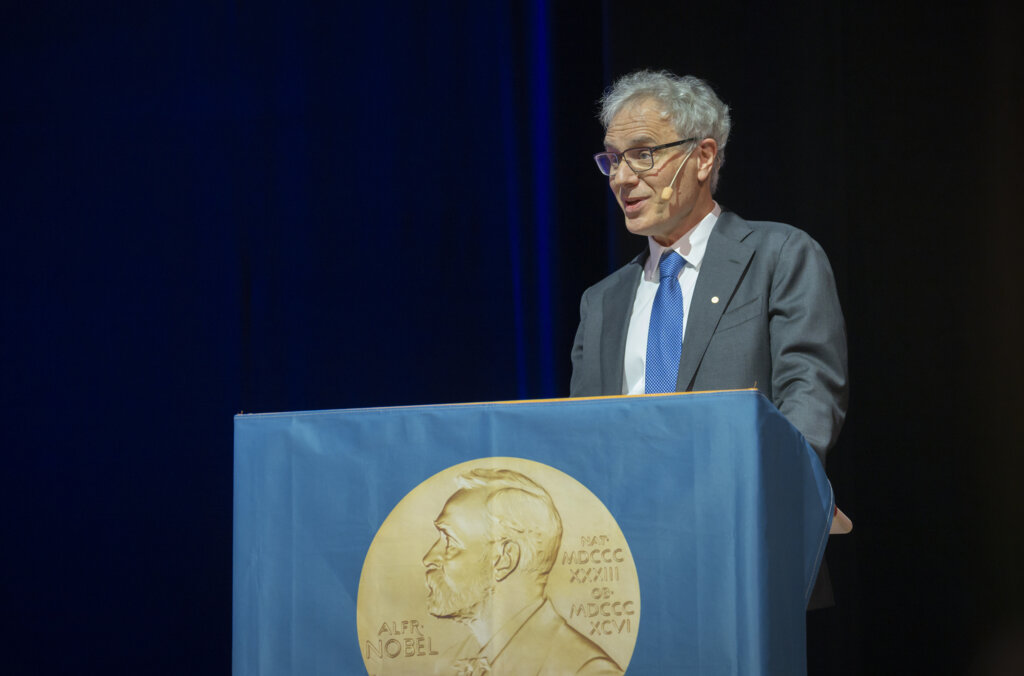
x: 430, y: 558
x: 624, y: 174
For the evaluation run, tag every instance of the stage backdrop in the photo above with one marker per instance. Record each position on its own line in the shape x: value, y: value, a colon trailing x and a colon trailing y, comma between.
x: 692, y: 527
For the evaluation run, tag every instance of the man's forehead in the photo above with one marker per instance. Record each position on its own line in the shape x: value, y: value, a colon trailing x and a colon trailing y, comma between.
x: 638, y: 123
x: 465, y: 505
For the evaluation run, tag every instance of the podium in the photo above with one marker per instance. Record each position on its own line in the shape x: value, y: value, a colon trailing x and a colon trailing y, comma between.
x: 692, y: 529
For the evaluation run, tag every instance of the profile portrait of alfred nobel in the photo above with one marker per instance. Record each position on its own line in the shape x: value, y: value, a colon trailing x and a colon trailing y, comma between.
x: 498, y: 539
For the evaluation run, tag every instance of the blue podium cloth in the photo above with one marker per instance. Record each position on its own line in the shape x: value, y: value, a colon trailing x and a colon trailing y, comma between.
x: 725, y: 507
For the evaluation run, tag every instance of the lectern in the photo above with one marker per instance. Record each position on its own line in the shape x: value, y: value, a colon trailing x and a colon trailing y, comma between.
x: 676, y: 533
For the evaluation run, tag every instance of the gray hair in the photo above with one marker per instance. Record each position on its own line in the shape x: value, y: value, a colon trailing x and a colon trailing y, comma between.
x: 688, y: 102
x: 521, y: 511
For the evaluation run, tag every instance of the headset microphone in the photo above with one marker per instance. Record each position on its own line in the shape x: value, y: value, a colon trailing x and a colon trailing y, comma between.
x: 666, y: 193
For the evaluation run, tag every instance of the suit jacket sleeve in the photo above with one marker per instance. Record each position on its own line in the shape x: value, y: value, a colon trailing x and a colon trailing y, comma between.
x: 808, y: 342
x: 576, y: 384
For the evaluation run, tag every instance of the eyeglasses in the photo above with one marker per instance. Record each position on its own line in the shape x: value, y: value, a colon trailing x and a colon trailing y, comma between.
x: 638, y: 159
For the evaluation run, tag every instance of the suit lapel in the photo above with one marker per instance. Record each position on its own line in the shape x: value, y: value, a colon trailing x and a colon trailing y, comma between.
x: 616, y: 308
x: 722, y: 269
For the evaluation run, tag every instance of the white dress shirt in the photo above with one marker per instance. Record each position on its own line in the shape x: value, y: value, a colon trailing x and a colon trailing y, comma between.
x: 690, y: 246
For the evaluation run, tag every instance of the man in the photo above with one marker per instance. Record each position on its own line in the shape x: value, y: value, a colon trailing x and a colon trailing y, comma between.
x: 715, y: 301
x: 498, y: 539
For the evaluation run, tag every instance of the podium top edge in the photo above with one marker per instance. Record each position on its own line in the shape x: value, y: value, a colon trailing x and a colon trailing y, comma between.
x: 243, y: 414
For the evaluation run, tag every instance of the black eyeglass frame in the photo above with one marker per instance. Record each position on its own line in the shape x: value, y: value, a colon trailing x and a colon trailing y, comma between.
x: 622, y: 156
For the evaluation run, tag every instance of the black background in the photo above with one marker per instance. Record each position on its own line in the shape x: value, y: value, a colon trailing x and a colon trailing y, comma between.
x: 210, y: 208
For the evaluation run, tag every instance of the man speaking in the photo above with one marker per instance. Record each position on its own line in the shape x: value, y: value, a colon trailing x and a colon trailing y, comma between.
x: 715, y: 301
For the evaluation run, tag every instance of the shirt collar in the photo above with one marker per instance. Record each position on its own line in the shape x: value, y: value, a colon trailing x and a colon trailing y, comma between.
x: 690, y: 246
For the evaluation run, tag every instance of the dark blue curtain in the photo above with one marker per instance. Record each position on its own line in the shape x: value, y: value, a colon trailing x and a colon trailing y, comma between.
x: 229, y: 207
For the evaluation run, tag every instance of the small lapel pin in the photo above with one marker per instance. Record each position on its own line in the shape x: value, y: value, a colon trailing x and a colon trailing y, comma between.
x: 714, y: 299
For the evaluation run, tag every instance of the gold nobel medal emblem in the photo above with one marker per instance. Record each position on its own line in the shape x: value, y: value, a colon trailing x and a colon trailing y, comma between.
x: 498, y: 566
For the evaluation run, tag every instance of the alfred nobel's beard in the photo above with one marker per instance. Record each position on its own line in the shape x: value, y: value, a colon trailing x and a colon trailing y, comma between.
x: 457, y: 600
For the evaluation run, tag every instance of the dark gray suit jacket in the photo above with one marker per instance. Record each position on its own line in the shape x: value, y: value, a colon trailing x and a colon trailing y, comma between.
x: 776, y: 325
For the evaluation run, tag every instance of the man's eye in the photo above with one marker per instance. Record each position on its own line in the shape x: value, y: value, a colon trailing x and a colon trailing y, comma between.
x: 644, y: 155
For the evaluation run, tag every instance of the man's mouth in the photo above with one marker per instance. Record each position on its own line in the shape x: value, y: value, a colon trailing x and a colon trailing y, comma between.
x: 632, y: 205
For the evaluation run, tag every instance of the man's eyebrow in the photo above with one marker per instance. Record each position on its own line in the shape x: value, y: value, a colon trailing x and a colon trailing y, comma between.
x: 444, y: 530
x: 634, y: 142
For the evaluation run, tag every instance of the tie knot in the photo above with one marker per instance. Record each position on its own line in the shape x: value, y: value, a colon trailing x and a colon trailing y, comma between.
x: 670, y: 265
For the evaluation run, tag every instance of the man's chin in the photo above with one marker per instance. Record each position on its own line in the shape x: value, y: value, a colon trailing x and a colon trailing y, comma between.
x: 459, y: 615
x: 639, y: 226
x: 443, y: 606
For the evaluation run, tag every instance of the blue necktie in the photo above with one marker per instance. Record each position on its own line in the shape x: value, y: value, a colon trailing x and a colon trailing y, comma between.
x: 665, y: 333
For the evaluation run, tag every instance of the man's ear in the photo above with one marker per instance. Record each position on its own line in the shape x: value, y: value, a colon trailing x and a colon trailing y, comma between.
x: 507, y: 561
x: 706, y: 153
